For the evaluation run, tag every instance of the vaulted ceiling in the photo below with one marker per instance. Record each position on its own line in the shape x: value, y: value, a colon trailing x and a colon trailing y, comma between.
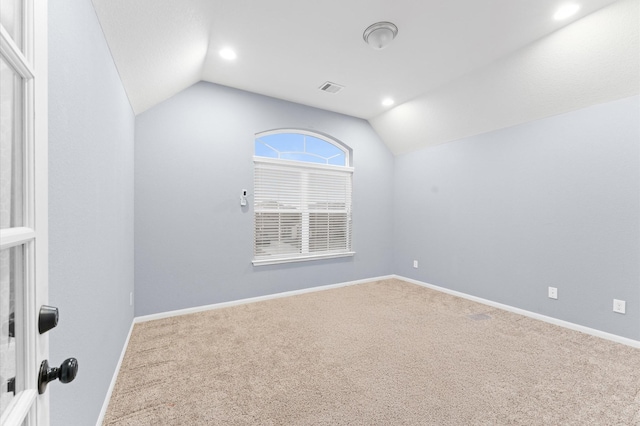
x: 288, y: 48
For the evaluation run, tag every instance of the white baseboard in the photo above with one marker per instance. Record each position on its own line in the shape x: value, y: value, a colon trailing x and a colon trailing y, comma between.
x: 144, y: 318
x: 186, y: 311
x: 107, y: 398
x: 550, y: 320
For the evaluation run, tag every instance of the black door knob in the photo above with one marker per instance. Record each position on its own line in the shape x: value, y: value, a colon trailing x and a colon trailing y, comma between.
x: 66, y: 373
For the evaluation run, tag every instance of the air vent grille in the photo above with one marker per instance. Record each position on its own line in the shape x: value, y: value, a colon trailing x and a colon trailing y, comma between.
x: 330, y: 87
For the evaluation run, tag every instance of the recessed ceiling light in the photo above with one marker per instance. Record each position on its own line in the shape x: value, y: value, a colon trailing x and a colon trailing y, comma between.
x: 228, y: 54
x: 387, y: 102
x: 566, y: 11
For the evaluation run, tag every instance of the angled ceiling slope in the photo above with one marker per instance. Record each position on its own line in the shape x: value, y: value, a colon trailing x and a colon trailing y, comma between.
x: 594, y: 60
x: 288, y: 48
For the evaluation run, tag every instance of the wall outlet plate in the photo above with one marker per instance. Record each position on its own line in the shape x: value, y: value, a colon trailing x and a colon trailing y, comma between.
x: 619, y: 306
x: 415, y: 263
x: 553, y: 293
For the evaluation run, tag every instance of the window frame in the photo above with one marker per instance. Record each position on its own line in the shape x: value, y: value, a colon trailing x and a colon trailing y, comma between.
x: 303, y: 168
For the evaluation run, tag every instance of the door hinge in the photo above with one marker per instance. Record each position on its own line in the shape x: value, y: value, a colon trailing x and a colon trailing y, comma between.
x: 11, y: 385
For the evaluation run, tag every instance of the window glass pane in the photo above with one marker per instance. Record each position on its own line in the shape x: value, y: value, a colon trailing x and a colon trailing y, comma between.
x: 299, y: 147
x: 11, y: 148
x: 11, y: 19
x: 322, y: 148
x: 277, y: 233
x: 10, y: 278
x: 327, y: 232
x: 285, y: 142
x: 318, y: 227
x: 339, y: 160
x: 261, y: 150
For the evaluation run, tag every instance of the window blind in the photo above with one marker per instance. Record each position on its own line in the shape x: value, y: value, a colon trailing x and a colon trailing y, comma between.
x: 301, y: 211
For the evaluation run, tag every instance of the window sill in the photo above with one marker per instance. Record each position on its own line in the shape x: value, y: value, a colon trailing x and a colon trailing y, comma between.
x: 277, y: 261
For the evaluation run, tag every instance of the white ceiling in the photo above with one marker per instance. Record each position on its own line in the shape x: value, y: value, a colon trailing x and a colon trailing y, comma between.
x: 288, y: 48
x: 592, y: 61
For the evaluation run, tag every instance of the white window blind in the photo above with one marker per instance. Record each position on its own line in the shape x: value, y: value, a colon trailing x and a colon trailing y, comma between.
x: 302, y: 211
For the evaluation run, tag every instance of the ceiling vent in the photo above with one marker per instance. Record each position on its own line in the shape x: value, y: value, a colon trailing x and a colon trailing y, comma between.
x: 330, y: 87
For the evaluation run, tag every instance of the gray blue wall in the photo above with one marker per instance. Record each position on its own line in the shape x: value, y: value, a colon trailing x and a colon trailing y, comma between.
x: 91, y: 131
x: 503, y: 215
x: 554, y: 202
x: 193, y: 241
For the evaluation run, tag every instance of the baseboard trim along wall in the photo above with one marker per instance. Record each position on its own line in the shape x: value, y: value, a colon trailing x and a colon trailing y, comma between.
x: 550, y: 320
x: 107, y: 398
x: 179, y: 312
x: 254, y: 299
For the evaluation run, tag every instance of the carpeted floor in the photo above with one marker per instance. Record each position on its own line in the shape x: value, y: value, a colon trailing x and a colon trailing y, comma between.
x: 381, y: 353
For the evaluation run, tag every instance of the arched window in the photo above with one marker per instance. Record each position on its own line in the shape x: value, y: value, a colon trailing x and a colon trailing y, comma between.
x: 301, y: 145
x: 302, y: 197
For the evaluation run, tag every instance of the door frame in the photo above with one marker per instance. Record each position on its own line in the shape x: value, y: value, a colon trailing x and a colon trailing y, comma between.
x: 30, y: 407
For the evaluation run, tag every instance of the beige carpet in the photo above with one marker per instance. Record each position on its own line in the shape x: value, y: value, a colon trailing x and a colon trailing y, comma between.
x: 382, y: 353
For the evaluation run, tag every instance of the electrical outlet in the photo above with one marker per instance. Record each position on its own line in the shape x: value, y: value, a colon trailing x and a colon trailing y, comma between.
x: 553, y: 293
x: 415, y: 264
x: 619, y: 306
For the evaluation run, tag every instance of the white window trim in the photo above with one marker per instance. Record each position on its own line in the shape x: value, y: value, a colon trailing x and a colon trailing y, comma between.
x: 299, y: 164
x: 300, y: 258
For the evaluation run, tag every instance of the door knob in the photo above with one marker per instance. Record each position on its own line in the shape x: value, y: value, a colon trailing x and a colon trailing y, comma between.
x: 66, y: 373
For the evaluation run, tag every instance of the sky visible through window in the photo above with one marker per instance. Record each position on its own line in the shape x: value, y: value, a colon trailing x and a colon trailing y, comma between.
x: 299, y: 147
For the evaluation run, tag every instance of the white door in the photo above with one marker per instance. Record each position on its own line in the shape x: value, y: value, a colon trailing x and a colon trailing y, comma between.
x: 23, y: 209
